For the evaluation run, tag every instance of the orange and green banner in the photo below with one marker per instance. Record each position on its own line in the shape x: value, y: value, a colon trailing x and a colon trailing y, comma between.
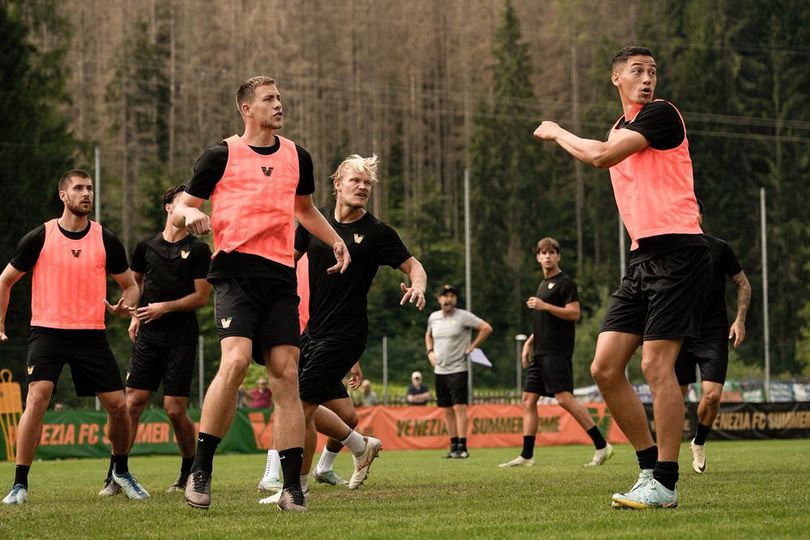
x: 70, y: 434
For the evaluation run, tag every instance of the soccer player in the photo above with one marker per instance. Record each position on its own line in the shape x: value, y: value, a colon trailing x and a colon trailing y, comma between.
x: 257, y: 182
x: 547, y: 355
x: 447, y: 341
x: 709, y: 352
x: 337, y: 330
x: 170, y: 268
x: 70, y: 258
x: 660, y: 299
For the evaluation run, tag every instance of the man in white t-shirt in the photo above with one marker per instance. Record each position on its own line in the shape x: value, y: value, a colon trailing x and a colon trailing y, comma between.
x: 448, y: 342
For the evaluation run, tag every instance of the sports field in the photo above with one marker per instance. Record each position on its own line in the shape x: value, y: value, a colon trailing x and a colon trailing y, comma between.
x: 752, y: 489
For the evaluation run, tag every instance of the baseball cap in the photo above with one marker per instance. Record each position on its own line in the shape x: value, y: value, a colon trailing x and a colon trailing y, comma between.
x: 416, y: 375
x: 447, y: 288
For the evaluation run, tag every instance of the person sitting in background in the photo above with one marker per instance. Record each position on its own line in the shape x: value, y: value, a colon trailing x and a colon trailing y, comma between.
x: 418, y: 393
x: 261, y: 397
x: 369, y: 397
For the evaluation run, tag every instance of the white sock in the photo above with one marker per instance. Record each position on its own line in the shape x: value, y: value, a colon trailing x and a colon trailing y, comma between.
x: 304, y: 481
x: 327, y: 461
x: 273, y: 464
x: 354, y: 442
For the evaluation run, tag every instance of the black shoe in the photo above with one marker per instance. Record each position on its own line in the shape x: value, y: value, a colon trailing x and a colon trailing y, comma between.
x: 462, y: 454
x: 452, y: 454
x: 292, y: 500
x: 198, y: 490
x: 179, y: 484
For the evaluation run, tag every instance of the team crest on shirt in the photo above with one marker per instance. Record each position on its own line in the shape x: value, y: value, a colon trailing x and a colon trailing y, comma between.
x: 30, y: 370
x: 184, y: 254
x: 551, y: 285
x: 76, y: 252
x: 226, y: 323
x: 358, y: 238
x: 267, y: 171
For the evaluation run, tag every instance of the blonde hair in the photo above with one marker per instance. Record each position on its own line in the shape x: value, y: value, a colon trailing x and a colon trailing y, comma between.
x: 365, y: 166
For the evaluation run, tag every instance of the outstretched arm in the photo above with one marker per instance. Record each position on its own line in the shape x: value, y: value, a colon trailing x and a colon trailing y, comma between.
x: 418, y: 277
x: 187, y: 214
x: 315, y: 223
x: 599, y: 154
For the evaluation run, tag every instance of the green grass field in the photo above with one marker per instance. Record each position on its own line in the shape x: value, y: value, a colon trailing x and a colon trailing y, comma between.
x: 752, y: 489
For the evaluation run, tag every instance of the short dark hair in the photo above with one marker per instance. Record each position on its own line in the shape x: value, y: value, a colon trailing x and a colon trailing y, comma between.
x: 548, y: 243
x: 65, y: 179
x: 627, y: 52
x: 171, y: 193
x: 248, y: 88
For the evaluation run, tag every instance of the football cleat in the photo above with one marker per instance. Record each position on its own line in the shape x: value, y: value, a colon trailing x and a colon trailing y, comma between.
x: 519, y: 461
x: 600, y: 456
x: 17, y: 495
x: 698, y: 457
x: 129, y: 485
x: 363, y: 461
x: 329, y: 477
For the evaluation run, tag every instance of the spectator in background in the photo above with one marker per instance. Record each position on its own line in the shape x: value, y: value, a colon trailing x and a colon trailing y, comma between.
x: 369, y: 397
x: 242, y: 397
x: 418, y: 393
x: 261, y: 397
x: 58, y: 406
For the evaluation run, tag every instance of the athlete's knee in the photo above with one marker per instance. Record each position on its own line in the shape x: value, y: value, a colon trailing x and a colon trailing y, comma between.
x: 136, y: 401
x: 529, y: 403
x: 117, y: 409
x: 657, y: 371
x: 712, y: 396
x: 565, y: 399
x: 233, y: 370
x: 175, y: 411
x: 605, y: 372
x: 39, y: 396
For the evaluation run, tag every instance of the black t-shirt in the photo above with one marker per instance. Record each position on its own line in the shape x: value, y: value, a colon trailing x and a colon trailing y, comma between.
x: 553, y: 335
x: 169, y: 270
x: 715, y: 320
x: 27, y: 255
x: 338, y: 302
x: 30, y: 247
x: 208, y: 171
x: 660, y: 123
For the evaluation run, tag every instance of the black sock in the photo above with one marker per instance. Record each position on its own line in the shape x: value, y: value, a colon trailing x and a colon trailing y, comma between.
x: 528, y: 447
x: 109, y: 471
x: 462, y: 443
x: 647, y: 458
x: 666, y: 472
x: 206, y: 448
x: 453, y: 444
x: 21, y: 475
x: 701, y: 433
x: 121, y: 463
x: 185, y: 466
x: 596, y: 436
x: 291, y: 460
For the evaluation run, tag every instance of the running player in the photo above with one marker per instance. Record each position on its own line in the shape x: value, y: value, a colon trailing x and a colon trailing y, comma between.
x: 710, y: 351
x: 547, y: 355
x: 170, y: 269
x: 70, y: 258
x: 257, y: 182
x: 337, y: 330
x: 661, y: 295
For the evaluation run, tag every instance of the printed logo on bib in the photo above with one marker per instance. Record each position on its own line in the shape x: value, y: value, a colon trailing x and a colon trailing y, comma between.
x: 551, y: 285
x: 358, y: 238
x: 267, y: 171
x: 30, y: 370
x: 226, y: 323
x: 76, y: 252
x: 184, y: 254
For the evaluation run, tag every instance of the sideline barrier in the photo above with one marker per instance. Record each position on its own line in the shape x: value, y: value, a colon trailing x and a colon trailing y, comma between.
x: 71, y: 434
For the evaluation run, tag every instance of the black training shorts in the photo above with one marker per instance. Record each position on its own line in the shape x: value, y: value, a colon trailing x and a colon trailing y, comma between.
x: 451, y: 389
x: 322, y: 367
x: 152, y: 363
x: 662, y: 297
x: 264, y: 310
x: 710, y: 354
x: 92, y: 364
x: 550, y: 374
